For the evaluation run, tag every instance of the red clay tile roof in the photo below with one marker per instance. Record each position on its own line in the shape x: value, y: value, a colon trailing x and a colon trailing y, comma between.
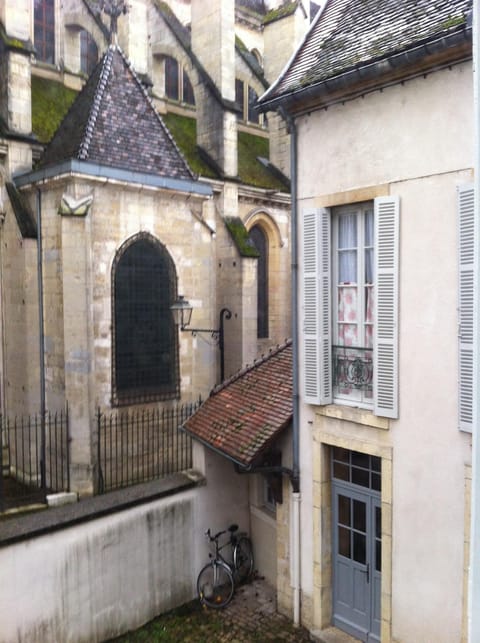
x: 244, y: 415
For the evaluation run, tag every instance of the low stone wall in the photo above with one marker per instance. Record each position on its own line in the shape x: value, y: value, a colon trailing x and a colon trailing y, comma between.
x: 92, y: 578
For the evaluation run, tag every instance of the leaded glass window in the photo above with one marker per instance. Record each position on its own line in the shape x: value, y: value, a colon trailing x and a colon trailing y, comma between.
x: 44, y: 30
x: 145, y: 342
x: 88, y: 52
x: 260, y: 241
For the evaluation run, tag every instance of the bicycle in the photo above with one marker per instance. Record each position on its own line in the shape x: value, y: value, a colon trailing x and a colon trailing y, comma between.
x: 217, y: 580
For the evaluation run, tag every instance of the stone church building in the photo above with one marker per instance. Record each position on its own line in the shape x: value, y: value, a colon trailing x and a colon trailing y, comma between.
x: 133, y: 172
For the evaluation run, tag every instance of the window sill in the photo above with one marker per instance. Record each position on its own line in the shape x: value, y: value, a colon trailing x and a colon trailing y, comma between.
x: 354, y: 414
x: 264, y: 514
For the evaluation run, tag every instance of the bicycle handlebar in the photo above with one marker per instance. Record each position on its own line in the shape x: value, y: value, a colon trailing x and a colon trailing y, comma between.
x: 232, y: 529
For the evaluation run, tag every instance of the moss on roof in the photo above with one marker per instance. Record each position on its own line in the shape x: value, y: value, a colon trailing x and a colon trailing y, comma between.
x: 50, y: 102
x: 184, y: 131
x: 280, y: 12
x: 250, y: 170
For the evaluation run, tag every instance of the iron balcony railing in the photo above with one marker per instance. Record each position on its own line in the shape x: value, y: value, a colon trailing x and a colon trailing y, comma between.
x: 35, y: 455
x: 138, y: 446
x: 352, y: 368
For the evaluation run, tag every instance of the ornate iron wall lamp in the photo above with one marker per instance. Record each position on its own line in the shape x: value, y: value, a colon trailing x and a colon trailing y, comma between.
x: 182, y: 314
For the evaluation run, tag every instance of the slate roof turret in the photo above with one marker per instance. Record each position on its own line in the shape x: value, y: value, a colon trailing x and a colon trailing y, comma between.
x: 114, y: 123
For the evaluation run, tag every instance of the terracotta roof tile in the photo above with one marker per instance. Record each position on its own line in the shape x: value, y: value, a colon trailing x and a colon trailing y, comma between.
x: 244, y: 415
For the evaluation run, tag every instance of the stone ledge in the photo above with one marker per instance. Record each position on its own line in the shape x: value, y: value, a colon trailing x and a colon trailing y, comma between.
x: 16, y: 528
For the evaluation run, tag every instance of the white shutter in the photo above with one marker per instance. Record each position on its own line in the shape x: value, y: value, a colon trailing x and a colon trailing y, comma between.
x: 385, y: 348
x: 465, y: 207
x: 317, y: 342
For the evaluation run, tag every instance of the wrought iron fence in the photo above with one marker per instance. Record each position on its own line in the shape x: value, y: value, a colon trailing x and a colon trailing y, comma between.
x: 143, y: 445
x: 352, y: 368
x: 35, y: 456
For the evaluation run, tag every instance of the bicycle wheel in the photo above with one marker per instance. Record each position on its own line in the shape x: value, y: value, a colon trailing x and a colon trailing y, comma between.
x: 243, y: 559
x: 215, y: 585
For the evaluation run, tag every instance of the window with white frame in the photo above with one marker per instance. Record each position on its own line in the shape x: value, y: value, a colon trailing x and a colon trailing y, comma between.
x: 350, y: 305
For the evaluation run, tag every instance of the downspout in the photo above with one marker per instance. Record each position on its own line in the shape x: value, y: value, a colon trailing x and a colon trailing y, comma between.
x: 41, y: 342
x: 296, y: 496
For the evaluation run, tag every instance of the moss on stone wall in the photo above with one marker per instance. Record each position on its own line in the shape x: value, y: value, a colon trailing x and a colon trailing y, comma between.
x: 50, y: 103
x: 16, y: 44
x: 239, y: 234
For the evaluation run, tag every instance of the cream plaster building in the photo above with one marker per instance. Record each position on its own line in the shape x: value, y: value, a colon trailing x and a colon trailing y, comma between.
x: 380, y: 97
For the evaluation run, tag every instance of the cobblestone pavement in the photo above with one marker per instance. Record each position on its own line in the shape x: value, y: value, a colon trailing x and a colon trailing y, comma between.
x: 251, y: 617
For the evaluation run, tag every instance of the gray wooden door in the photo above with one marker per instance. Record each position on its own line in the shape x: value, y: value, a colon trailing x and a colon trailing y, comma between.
x: 356, y: 560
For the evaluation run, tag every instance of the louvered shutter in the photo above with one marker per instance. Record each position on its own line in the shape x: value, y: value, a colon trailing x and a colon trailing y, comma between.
x: 465, y: 207
x: 385, y: 352
x: 317, y: 341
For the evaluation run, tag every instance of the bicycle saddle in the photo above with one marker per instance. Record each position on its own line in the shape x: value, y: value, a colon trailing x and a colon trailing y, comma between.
x: 233, y: 528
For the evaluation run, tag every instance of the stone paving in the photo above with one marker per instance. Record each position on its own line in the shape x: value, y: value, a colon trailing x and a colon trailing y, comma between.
x: 251, y: 617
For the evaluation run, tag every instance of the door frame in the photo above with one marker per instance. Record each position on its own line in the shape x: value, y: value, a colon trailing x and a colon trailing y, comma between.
x: 322, y: 441
x: 366, y: 628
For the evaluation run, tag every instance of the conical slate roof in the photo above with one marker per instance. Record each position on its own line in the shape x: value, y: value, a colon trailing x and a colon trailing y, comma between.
x: 114, y: 123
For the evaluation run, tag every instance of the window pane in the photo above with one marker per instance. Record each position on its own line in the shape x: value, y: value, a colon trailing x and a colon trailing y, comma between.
x: 376, y: 482
x: 145, y: 342
x: 378, y: 555
x: 347, y: 267
x: 253, y: 116
x: 340, y: 471
x: 171, y: 78
x: 378, y: 522
x: 260, y: 242
x: 359, y: 516
x: 360, y: 460
x: 344, y: 510
x: 347, y: 231
x: 44, y: 30
x: 359, y: 548
x: 360, y: 477
x: 88, y: 52
x: 369, y: 227
x: 188, y: 95
x: 341, y: 454
x: 239, y: 96
x: 344, y: 542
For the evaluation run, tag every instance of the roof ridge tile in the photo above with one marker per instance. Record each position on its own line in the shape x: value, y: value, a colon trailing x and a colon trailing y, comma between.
x: 95, y: 107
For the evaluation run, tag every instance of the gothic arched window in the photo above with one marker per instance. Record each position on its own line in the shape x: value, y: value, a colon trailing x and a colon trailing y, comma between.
x: 88, y: 52
x: 145, y: 342
x: 44, y: 30
x: 177, y: 83
x: 260, y: 240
